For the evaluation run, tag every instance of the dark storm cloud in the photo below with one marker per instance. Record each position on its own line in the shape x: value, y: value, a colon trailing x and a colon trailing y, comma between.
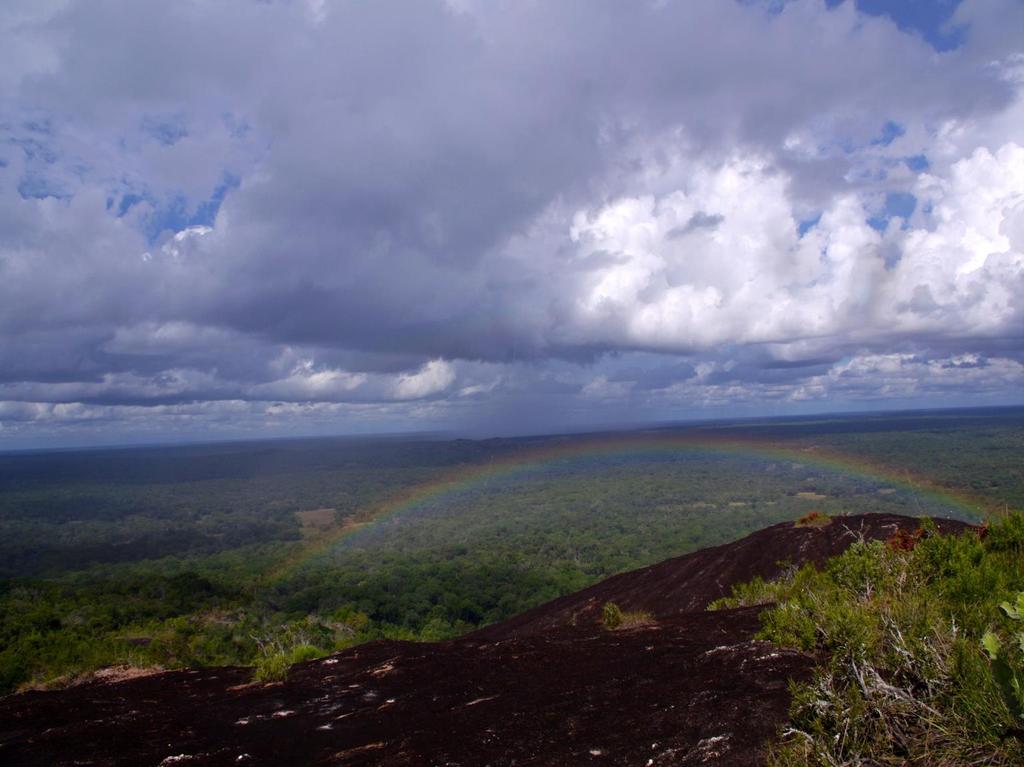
x: 469, y: 206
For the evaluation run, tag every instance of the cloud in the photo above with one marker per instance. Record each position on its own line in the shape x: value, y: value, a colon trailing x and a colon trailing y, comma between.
x: 434, y: 213
x: 306, y: 383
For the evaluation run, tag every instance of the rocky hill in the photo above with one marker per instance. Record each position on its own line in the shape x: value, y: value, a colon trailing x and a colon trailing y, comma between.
x: 549, y: 687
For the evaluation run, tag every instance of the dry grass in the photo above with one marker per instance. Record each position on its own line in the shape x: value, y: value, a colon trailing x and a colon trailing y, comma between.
x: 636, y: 619
x: 813, y: 519
x: 107, y: 675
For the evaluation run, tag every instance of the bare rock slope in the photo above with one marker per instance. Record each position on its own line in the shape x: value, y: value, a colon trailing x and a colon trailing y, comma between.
x: 549, y: 687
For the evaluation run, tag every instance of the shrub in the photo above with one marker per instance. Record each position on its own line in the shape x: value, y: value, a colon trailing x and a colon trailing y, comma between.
x: 923, y: 645
x: 611, y: 615
x: 295, y: 642
x: 304, y: 652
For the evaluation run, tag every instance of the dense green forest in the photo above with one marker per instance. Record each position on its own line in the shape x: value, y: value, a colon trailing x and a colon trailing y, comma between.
x: 231, y: 553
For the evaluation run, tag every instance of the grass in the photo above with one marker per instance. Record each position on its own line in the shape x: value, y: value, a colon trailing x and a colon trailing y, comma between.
x: 274, y: 666
x: 905, y: 678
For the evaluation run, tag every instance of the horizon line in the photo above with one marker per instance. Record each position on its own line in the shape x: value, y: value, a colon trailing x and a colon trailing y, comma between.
x: 453, y: 435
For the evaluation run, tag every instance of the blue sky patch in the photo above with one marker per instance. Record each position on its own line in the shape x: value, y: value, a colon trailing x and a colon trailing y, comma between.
x: 897, y: 204
x: 927, y: 18
x: 808, y: 224
x: 917, y: 163
x: 890, y: 132
x: 206, y: 212
x: 127, y: 202
x: 176, y: 214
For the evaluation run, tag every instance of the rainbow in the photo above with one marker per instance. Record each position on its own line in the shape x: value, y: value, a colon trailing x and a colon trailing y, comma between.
x: 468, y: 477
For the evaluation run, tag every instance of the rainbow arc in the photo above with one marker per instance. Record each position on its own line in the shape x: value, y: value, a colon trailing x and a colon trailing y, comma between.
x: 470, y: 477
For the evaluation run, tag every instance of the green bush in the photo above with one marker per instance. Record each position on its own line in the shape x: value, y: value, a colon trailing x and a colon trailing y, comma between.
x: 925, y: 654
x: 611, y: 615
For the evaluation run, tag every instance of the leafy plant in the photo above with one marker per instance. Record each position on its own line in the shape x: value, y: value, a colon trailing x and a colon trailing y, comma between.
x: 1007, y: 658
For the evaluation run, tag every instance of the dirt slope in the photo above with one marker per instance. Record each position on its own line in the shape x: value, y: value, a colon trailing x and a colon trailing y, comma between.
x: 550, y: 687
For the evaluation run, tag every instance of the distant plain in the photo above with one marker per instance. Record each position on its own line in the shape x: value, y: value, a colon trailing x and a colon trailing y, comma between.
x: 249, y: 553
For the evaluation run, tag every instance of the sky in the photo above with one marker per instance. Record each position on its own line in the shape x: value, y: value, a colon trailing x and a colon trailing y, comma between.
x: 244, y: 218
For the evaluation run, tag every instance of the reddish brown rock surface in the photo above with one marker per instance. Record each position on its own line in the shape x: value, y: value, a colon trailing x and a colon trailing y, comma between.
x: 550, y: 687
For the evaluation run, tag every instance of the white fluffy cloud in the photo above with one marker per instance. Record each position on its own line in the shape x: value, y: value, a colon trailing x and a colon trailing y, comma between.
x: 306, y: 383
x: 721, y: 262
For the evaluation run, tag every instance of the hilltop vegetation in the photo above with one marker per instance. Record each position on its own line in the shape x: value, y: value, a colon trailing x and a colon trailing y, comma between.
x: 924, y: 648
x: 208, y: 555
